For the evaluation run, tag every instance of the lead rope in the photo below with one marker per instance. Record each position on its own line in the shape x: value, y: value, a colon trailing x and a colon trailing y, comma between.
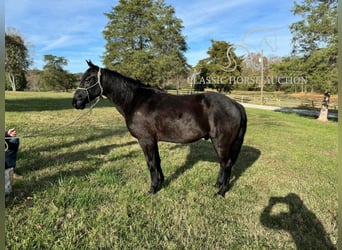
x: 72, y: 121
x: 67, y: 124
x: 58, y: 128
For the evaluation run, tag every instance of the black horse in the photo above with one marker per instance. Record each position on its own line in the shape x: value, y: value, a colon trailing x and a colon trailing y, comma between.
x: 152, y: 115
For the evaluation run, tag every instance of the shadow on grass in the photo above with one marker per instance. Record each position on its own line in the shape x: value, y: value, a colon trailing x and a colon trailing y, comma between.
x: 309, y: 113
x: 204, y: 151
x: 27, y: 186
x: 45, y: 104
x: 303, y: 225
x: 93, y: 136
x: 34, y: 160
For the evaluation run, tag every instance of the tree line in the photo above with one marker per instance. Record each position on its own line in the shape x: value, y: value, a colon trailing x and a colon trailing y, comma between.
x: 20, y: 77
x: 144, y: 41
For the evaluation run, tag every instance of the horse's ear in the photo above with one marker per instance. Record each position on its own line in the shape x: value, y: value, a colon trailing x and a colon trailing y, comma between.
x: 90, y: 64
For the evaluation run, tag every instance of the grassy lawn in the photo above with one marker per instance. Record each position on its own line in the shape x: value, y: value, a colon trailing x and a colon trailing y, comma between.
x: 85, y: 186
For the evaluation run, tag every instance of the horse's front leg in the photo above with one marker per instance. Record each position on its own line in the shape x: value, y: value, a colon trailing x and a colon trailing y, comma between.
x: 151, y: 152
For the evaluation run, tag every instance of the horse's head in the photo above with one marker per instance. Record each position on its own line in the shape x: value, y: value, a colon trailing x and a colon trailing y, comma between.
x: 90, y: 87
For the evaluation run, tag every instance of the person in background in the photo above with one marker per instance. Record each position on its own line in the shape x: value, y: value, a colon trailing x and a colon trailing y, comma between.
x: 11, y: 150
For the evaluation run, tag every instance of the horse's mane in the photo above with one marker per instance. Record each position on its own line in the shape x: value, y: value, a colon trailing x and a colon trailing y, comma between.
x: 122, y: 80
x: 128, y: 80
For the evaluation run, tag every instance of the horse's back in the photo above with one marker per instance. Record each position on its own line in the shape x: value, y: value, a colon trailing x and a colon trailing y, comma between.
x: 224, y: 105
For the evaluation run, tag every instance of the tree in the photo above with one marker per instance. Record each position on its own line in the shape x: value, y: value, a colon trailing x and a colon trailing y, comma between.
x: 318, y: 27
x: 315, y: 40
x: 54, y: 77
x: 221, y: 68
x: 33, y: 79
x: 290, y: 67
x: 144, y: 41
x: 16, y: 60
x: 168, y: 44
x: 323, y: 115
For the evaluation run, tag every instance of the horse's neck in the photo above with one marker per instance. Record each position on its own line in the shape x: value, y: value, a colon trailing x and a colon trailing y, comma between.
x: 121, y: 93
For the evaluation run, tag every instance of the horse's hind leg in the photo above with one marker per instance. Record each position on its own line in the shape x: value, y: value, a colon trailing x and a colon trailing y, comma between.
x: 222, y: 150
x: 224, y: 177
x: 151, y: 152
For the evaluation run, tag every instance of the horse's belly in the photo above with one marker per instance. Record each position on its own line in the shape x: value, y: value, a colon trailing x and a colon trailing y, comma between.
x: 180, y: 130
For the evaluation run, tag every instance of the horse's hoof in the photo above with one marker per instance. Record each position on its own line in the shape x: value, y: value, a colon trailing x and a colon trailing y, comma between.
x: 154, y: 190
x: 220, y: 194
x: 218, y: 185
x: 222, y: 191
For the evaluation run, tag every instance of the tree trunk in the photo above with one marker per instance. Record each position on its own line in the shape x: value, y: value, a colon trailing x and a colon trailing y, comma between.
x: 12, y: 81
x: 323, y: 115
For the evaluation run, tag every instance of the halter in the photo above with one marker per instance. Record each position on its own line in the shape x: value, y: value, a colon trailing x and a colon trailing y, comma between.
x: 97, y: 82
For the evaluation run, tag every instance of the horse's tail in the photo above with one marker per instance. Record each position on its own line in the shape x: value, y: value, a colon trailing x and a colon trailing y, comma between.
x: 237, y: 143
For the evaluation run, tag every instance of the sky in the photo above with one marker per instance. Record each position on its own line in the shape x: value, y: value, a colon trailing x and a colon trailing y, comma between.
x: 73, y: 28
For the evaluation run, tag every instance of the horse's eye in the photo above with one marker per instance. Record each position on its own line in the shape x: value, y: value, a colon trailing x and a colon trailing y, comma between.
x: 87, y: 80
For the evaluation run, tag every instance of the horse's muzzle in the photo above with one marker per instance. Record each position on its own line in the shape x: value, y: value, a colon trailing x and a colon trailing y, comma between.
x: 78, y: 103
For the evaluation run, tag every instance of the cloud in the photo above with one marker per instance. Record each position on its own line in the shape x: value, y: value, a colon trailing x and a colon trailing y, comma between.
x: 197, y: 13
x: 61, y: 42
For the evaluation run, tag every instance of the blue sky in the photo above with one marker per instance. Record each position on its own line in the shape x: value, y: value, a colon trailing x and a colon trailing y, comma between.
x: 73, y: 28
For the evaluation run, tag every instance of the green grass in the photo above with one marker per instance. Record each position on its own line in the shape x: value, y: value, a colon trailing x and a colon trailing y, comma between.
x: 85, y: 186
